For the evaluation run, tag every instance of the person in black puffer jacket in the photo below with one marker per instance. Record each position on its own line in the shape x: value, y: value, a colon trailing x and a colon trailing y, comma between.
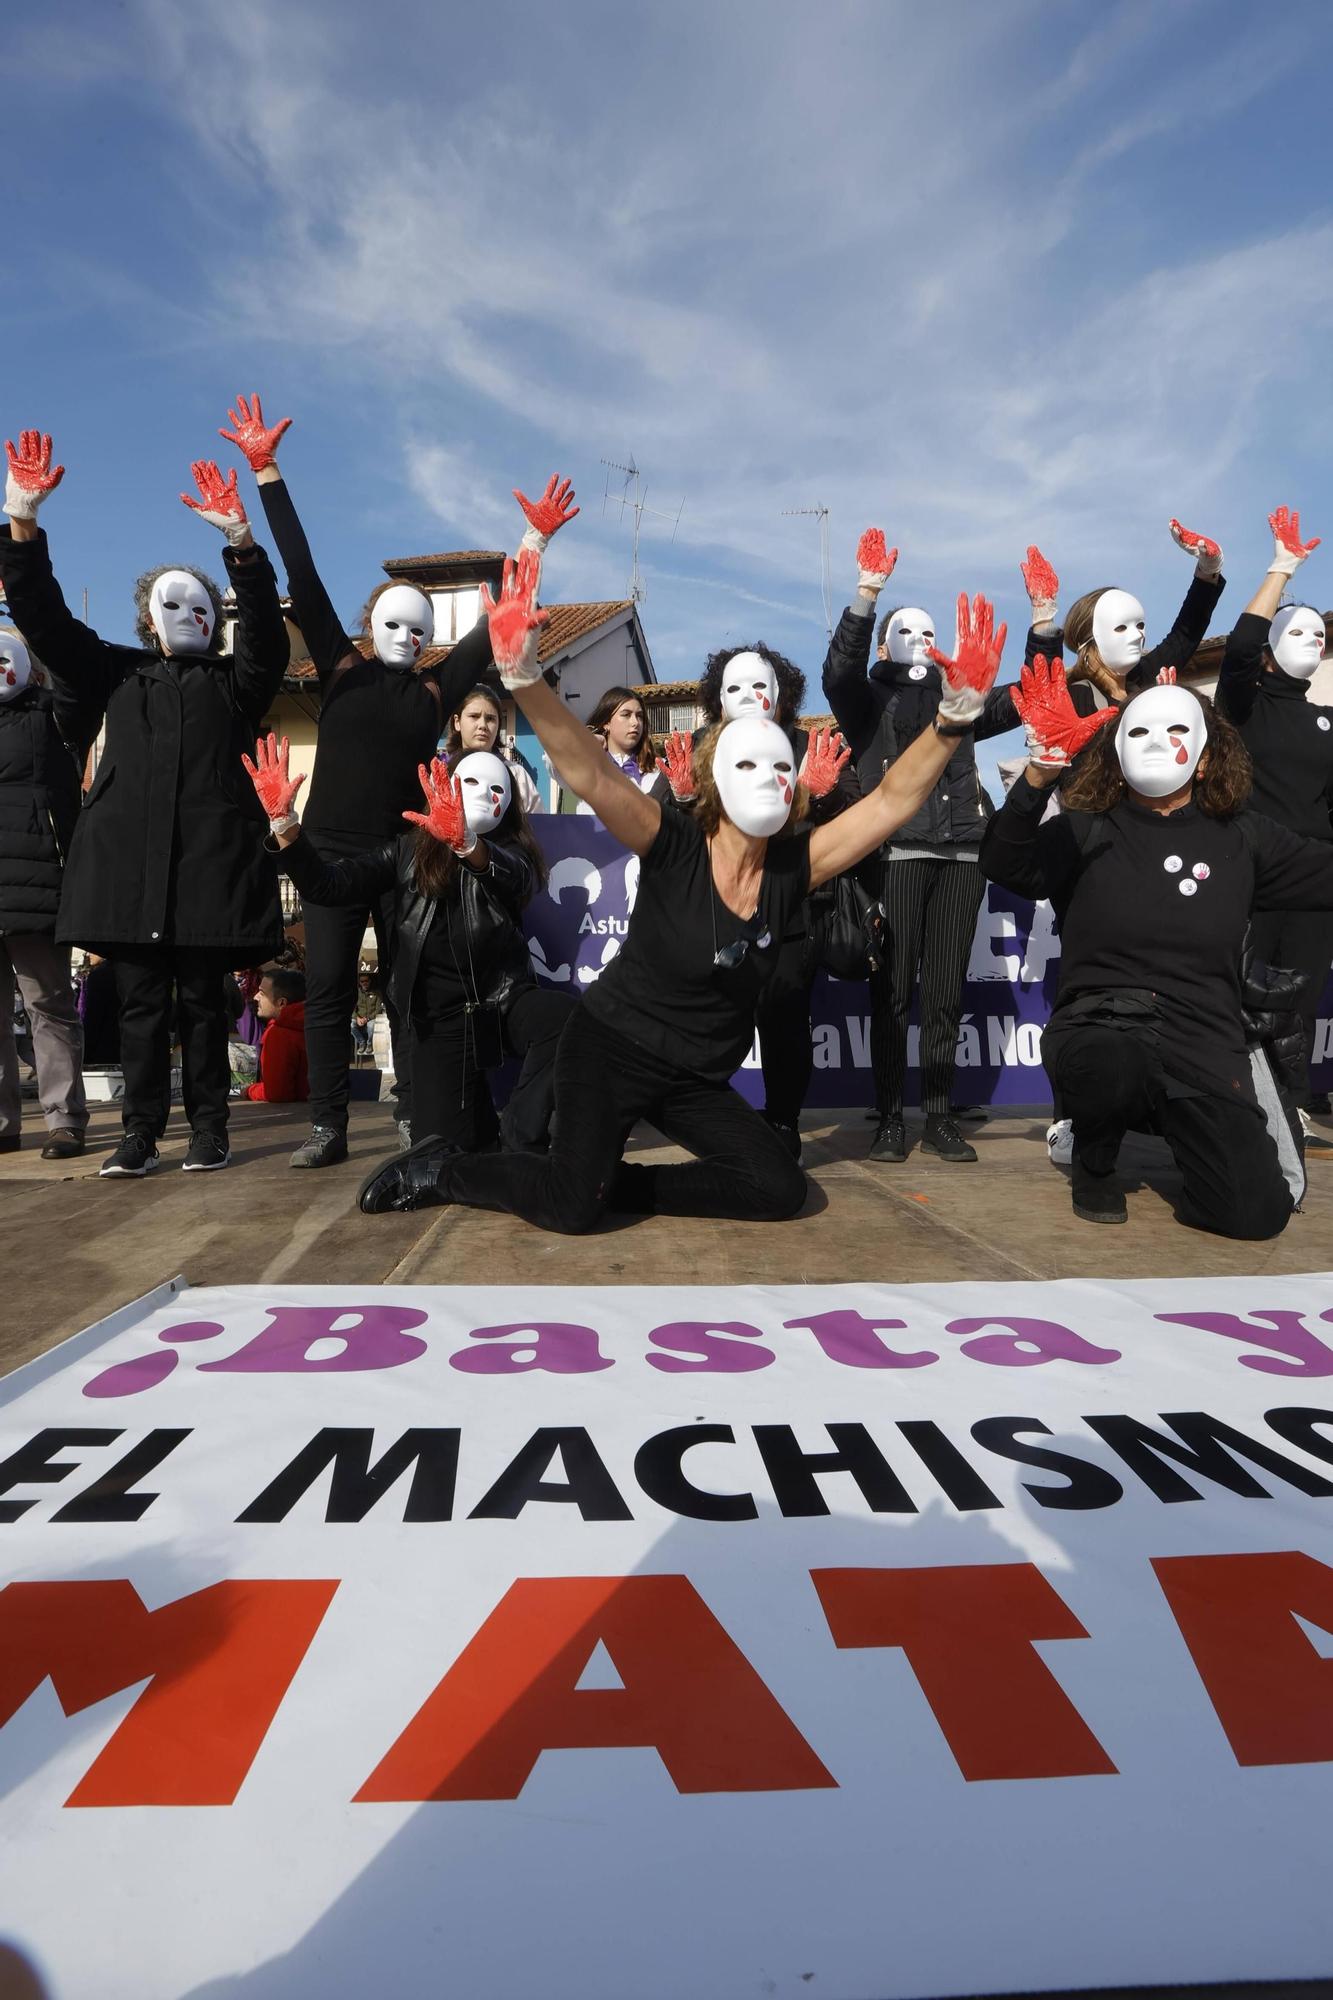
x: 39, y: 803
x: 462, y: 975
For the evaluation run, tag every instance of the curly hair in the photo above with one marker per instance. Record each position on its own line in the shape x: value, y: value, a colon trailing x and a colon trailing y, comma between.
x: 437, y: 866
x: 1088, y: 664
x: 1221, y: 783
x: 607, y: 704
x: 708, y: 807
x: 143, y: 625
x: 790, y: 679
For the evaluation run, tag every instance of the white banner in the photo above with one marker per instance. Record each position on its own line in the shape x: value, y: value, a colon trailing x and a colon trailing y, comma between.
x: 858, y: 1641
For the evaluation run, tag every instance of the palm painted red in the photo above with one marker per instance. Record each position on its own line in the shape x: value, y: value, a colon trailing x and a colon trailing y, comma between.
x: 1039, y: 579
x: 874, y: 561
x: 218, y: 502
x: 677, y: 760
x: 31, y: 475
x: 444, y: 815
x: 514, y: 620
x: 976, y: 659
x: 826, y: 757
x: 271, y: 778
x: 1043, y: 700
x: 256, y: 441
x: 1285, y: 523
x: 1193, y: 545
x: 549, y: 514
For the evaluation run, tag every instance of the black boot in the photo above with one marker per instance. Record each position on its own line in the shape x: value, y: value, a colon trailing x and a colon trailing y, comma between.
x: 890, y: 1140
x: 1096, y: 1196
x: 408, y: 1180
x: 943, y: 1138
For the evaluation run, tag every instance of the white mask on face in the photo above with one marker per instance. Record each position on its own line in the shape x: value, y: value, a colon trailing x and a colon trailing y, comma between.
x: 910, y: 636
x: 1160, y: 739
x: 487, y: 789
x: 15, y: 666
x: 749, y: 687
x: 1296, y: 637
x: 755, y: 772
x: 1118, y: 630
x: 181, y: 612
x: 402, y: 625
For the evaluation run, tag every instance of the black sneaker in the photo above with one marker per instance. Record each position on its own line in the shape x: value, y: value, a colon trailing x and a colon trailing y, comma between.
x: 1320, y: 1104
x: 1096, y: 1196
x: 208, y: 1151
x: 890, y: 1140
x: 324, y: 1148
x: 409, y: 1180
x: 943, y: 1138
x: 135, y: 1156
x: 789, y: 1135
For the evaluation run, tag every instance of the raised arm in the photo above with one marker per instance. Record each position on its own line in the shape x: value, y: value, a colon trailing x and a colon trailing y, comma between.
x: 260, y: 650
x: 459, y: 673
x: 1188, y: 633
x: 847, y: 663
x: 84, y: 666
x: 1043, y: 588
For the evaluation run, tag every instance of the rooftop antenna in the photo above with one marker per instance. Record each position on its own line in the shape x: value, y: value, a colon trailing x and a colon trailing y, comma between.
x: 820, y: 512
x: 631, y: 499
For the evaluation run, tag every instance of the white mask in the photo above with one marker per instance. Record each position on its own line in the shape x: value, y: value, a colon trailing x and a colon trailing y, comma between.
x: 1160, y: 739
x: 487, y: 789
x: 1296, y: 637
x: 910, y: 636
x: 181, y: 611
x: 1118, y: 633
x: 749, y: 687
x: 15, y: 666
x: 402, y: 625
x: 755, y: 771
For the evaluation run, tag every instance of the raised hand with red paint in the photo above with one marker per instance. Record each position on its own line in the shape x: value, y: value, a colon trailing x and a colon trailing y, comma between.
x: 1207, y: 555
x: 547, y: 516
x: 514, y: 621
x: 256, y: 441
x: 1288, y: 555
x: 677, y: 760
x: 970, y: 675
x: 444, y: 816
x: 826, y: 758
x: 1056, y: 732
x: 272, y: 780
x: 1042, y: 586
x: 30, y: 477
x: 874, y: 562
x: 219, y: 503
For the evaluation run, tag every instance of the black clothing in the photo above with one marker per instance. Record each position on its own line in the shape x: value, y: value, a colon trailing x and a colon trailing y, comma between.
x: 1299, y: 941
x: 332, y: 961
x: 99, y: 1010
x: 605, y: 1083
x: 1289, y: 737
x: 146, y: 977
x: 39, y: 806
x: 169, y: 846
x: 442, y: 982
x: 662, y: 989
x: 783, y: 1019
x: 1177, y: 649
x: 449, y: 1093
x: 931, y: 914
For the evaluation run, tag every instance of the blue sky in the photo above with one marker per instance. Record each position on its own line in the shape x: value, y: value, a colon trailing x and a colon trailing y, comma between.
x: 984, y: 273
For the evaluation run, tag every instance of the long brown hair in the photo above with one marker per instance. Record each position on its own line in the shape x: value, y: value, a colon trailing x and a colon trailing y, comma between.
x: 436, y: 865
x: 453, y: 742
x: 708, y: 806
x: 645, y: 755
x: 1087, y: 664
x: 1221, y: 783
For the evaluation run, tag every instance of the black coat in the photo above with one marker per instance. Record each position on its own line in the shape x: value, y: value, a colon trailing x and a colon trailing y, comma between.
x: 169, y: 846
x: 1289, y: 737
x: 39, y: 805
x: 492, y: 904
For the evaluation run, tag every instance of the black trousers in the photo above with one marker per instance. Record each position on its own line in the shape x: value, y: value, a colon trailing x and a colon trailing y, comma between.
x: 1301, y: 941
x: 450, y: 1093
x: 1110, y: 1082
x: 603, y: 1086
x: 931, y: 913
x: 332, y: 957
x: 148, y: 976
x: 785, y: 1047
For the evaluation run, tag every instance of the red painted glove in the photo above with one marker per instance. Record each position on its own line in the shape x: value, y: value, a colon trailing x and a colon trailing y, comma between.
x: 874, y: 562
x: 30, y: 476
x: 1056, y: 732
x: 515, y: 624
x: 444, y: 815
x: 219, y: 503
x: 548, y: 515
x: 826, y: 757
x: 1042, y: 586
x: 970, y: 675
x: 677, y: 760
x: 256, y: 443
x: 1288, y: 555
x: 271, y: 779
x: 1207, y: 555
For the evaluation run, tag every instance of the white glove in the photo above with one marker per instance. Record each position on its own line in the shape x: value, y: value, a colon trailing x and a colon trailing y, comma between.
x: 874, y: 562
x: 30, y: 477
x: 1289, y: 550
x: 1207, y: 554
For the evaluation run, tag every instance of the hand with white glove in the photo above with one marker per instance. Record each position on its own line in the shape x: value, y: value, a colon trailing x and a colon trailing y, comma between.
x: 1043, y: 588
x: 874, y: 566
x: 547, y: 516
x: 219, y: 503
x: 515, y: 623
x: 1207, y: 555
x: 30, y: 477
x: 970, y: 675
x: 1290, y: 551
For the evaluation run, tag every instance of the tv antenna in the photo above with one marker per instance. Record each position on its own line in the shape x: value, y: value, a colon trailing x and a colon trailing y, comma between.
x: 820, y: 512
x: 631, y: 500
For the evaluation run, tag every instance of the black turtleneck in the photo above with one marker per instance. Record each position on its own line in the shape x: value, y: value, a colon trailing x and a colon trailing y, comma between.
x: 1289, y: 737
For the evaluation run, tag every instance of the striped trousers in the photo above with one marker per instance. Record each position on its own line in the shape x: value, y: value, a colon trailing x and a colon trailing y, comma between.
x: 931, y: 909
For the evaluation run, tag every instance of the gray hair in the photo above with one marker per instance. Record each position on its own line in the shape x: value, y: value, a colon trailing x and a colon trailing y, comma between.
x: 143, y: 624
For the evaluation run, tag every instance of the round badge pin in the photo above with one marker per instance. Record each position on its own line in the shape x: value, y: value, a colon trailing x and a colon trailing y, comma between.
x: 1201, y: 871
x: 1173, y: 864
x: 1189, y: 887
x: 1324, y: 722
x: 919, y: 674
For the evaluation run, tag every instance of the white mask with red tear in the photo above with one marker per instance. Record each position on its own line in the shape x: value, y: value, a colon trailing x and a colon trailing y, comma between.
x: 486, y: 787
x: 910, y: 636
x: 181, y: 612
x: 749, y: 687
x: 1159, y: 742
x: 755, y: 773
x: 1119, y: 630
x: 402, y: 625
x: 15, y: 666
x: 1296, y: 637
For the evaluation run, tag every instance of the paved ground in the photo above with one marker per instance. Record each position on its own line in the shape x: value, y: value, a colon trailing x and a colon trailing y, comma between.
x: 77, y: 1247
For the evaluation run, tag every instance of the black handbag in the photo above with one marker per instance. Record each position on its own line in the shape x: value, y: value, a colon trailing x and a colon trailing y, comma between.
x: 848, y: 928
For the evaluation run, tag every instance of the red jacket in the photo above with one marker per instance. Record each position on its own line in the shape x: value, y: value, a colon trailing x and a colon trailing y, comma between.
x: 283, y: 1076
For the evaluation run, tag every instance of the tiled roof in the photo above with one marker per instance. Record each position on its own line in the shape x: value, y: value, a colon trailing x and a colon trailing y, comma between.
x: 567, y: 624
x: 447, y: 559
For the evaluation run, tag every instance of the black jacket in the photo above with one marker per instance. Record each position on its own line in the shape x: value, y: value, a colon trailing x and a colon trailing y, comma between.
x: 169, y: 845
x: 39, y: 804
x: 492, y: 905
x: 1177, y: 649
x: 881, y: 712
x: 1289, y: 737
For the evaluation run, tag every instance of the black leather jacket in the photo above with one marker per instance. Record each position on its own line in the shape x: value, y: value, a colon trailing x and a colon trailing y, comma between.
x: 492, y: 901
